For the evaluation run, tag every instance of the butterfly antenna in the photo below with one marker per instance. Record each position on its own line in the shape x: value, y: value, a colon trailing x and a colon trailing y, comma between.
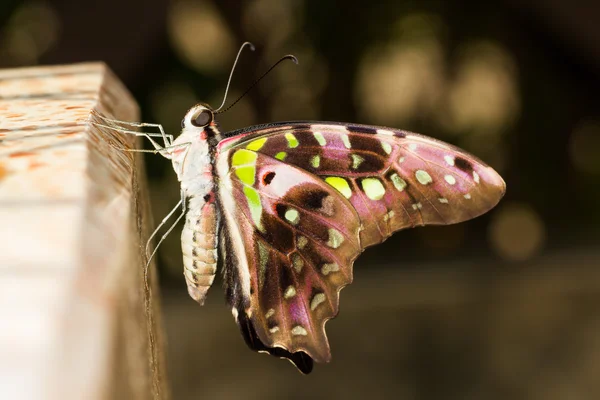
x: 286, y: 57
x: 233, y: 69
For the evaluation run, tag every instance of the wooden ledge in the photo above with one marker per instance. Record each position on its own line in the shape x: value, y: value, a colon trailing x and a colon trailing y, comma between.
x: 79, y: 318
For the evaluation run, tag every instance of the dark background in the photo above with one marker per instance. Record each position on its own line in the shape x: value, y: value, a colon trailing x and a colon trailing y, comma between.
x: 505, y: 306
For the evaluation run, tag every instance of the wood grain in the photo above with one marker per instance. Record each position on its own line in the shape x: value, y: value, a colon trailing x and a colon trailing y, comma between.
x: 80, y: 319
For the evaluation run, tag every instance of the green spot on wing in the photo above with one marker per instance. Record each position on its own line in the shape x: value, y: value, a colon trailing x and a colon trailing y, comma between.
x: 255, y: 206
x: 346, y: 141
x: 292, y: 141
x: 386, y: 147
x: 335, y: 238
x: 315, y: 161
x: 340, y: 184
x: 423, y: 177
x: 256, y: 144
x: 373, y: 188
x: 243, y: 157
x: 292, y: 216
x: 356, y: 160
x: 281, y: 155
x: 318, y: 299
x: 320, y: 138
x: 398, y: 182
x: 246, y: 174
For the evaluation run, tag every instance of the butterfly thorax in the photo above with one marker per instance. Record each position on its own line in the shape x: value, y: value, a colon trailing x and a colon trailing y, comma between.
x: 192, y: 161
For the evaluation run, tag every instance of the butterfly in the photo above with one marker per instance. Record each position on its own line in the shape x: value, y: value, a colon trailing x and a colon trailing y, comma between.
x: 289, y: 206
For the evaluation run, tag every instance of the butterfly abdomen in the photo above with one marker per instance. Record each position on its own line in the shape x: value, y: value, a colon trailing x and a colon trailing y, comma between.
x: 199, y: 241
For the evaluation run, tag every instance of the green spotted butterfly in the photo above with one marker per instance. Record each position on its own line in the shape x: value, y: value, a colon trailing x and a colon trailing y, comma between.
x: 290, y: 205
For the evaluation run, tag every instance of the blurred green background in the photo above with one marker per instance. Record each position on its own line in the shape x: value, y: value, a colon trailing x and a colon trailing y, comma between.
x: 504, y: 306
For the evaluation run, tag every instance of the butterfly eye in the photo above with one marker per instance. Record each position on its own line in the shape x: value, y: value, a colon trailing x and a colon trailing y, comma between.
x: 202, y: 119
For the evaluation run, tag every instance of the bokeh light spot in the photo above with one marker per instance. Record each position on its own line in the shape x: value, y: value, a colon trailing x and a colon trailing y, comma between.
x: 270, y: 21
x: 404, y: 78
x: 483, y: 97
x: 200, y: 36
x: 33, y: 29
x: 517, y: 232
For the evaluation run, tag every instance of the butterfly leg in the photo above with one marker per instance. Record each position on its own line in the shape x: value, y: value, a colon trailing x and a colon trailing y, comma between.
x: 163, y: 151
x: 180, y: 203
x: 167, y: 139
x: 149, y: 255
x: 122, y: 127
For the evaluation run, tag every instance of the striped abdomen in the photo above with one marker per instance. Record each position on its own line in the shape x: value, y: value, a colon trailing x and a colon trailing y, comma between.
x: 199, y: 241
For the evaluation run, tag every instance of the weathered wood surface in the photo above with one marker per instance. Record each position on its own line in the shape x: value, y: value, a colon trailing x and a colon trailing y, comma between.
x: 78, y: 318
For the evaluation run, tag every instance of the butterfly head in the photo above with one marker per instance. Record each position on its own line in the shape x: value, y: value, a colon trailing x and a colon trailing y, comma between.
x: 199, y: 121
x: 194, y: 147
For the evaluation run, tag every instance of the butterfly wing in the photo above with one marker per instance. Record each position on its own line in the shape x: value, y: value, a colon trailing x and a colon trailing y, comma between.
x: 302, y: 200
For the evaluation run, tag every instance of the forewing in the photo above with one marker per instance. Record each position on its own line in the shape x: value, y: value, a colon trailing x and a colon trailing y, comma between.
x: 394, y: 179
x: 302, y: 201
